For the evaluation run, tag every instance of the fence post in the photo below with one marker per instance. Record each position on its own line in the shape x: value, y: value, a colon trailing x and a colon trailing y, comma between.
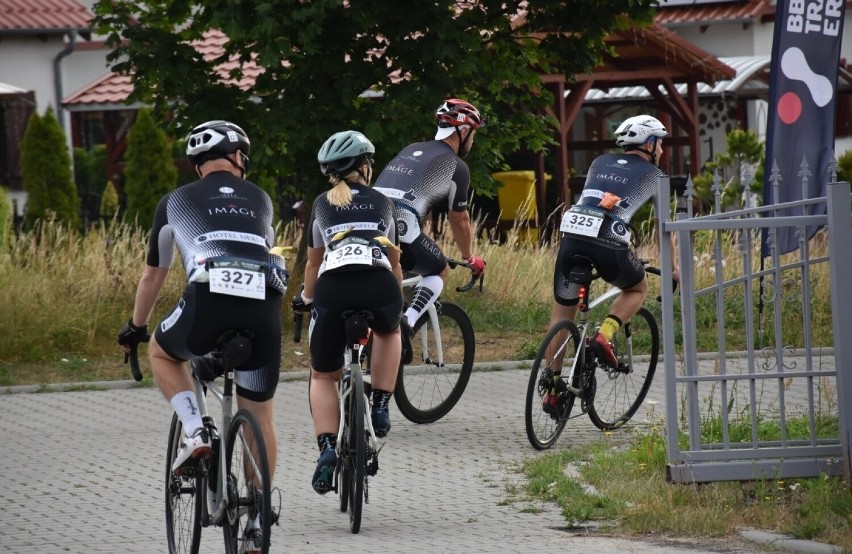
x: 840, y: 263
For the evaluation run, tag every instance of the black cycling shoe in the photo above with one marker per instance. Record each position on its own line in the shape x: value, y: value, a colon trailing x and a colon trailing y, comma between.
x: 322, y: 480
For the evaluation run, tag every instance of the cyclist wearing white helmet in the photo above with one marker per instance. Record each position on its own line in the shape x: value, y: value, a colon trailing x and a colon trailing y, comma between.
x: 421, y: 176
x: 219, y: 218
x: 340, y: 277
x: 598, y: 227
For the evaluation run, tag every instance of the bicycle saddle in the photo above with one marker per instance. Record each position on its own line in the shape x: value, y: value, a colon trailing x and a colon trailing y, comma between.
x: 581, y: 270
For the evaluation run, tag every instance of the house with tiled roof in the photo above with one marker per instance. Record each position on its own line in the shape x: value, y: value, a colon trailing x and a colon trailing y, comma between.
x: 46, y: 52
x: 702, y: 67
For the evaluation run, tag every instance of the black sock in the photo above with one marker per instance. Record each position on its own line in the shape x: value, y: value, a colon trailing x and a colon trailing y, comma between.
x: 326, y: 441
x: 381, y: 398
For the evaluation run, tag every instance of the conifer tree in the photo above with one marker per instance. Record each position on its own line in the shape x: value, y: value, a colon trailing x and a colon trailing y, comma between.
x: 46, y: 172
x: 109, y: 202
x: 150, y: 171
x: 5, y: 218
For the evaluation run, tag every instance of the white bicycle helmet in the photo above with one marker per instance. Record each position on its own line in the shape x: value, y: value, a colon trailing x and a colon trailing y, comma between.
x: 634, y: 131
x: 216, y: 139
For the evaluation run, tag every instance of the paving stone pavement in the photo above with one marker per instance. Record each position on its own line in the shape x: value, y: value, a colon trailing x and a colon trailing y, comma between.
x: 83, y: 472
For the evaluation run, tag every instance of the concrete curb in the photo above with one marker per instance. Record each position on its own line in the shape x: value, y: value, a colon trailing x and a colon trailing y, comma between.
x: 789, y: 544
x: 283, y: 377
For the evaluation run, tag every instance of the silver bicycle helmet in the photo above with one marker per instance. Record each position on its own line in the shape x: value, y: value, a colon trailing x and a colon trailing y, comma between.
x: 216, y: 139
x: 634, y: 131
x: 343, y: 152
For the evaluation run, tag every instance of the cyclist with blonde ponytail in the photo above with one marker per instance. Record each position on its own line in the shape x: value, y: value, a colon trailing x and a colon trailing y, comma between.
x: 353, y: 264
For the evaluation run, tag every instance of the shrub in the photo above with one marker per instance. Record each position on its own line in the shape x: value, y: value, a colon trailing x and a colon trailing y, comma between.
x: 109, y: 202
x: 5, y: 218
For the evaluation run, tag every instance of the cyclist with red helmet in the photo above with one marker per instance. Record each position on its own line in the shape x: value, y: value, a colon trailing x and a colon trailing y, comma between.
x: 417, y: 179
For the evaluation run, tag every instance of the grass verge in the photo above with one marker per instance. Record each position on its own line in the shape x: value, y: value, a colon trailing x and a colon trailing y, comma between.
x: 629, y: 494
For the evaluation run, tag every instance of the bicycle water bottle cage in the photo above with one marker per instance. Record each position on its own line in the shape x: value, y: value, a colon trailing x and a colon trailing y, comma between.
x: 235, y: 347
x: 357, y: 328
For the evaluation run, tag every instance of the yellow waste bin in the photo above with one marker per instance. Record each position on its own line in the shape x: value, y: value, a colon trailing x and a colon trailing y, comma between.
x: 517, y: 202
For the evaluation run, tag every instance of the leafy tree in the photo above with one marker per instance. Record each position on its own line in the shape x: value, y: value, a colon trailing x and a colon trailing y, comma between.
x: 377, y: 66
x: 150, y: 172
x: 46, y: 172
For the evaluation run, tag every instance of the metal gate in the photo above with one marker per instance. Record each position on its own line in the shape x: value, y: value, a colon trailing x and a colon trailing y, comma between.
x: 761, y: 396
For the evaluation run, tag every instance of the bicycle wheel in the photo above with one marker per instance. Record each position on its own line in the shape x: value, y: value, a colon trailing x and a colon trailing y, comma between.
x: 427, y: 392
x: 183, y: 500
x: 620, y: 392
x: 343, y: 476
x: 543, y: 423
x: 354, y: 452
x: 249, y: 512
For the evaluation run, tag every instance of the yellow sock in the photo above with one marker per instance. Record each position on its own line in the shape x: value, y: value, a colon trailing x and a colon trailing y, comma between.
x: 610, y: 327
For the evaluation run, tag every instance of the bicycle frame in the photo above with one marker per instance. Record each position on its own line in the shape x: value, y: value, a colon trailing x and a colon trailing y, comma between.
x: 226, y: 399
x: 433, y: 319
x: 353, y: 365
x: 582, y: 325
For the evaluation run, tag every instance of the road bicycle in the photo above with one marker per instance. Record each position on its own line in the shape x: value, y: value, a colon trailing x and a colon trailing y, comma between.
x: 357, y: 446
x: 609, y: 395
x: 444, y: 347
x: 231, y: 487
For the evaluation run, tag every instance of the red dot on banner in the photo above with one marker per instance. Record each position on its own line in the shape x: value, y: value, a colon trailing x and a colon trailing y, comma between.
x: 789, y: 107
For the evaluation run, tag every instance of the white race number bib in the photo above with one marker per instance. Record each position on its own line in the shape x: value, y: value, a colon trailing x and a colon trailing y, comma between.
x: 582, y: 220
x: 237, y: 278
x: 351, y: 252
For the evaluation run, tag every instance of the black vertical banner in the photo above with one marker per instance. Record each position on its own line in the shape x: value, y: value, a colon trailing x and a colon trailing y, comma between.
x: 802, y: 94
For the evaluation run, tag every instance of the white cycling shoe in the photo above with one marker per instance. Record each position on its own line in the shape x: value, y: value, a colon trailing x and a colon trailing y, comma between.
x: 192, y: 448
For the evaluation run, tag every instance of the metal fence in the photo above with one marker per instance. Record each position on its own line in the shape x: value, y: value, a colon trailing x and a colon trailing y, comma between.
x: 763, y: 394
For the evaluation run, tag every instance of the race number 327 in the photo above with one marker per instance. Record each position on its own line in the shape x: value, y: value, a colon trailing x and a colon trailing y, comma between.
x: 237, y: 282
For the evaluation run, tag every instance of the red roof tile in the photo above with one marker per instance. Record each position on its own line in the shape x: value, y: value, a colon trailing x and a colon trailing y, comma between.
x: 43, y: 15
x: 114, y: 89
x: 109, y: 89
x: 748, y: 10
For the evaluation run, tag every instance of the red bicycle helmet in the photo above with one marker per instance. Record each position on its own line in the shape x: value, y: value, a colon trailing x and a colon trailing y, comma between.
x: 455, y: 113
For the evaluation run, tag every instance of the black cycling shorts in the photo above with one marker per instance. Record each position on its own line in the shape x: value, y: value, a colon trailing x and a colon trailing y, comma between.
x: 375, y: 290
x: 201, y: 317
x: 617, y: 265
x: 422, y: 257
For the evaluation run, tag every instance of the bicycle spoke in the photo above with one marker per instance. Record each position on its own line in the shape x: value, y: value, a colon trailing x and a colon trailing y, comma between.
x: 548, y: 403
x: 427, y: 391
x: 621, y: 391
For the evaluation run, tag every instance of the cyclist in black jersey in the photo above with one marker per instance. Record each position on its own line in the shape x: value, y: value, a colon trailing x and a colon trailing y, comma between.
x: 217, y: 221
x: 353, y: 264
x: 597, y: 227
x: 417, y: 179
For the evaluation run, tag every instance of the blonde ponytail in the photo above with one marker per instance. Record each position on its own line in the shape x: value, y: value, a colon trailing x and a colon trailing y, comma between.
x: 341, y: 194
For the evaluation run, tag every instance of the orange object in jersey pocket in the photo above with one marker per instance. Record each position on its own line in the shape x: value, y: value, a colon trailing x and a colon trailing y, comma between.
x: 609, y: 201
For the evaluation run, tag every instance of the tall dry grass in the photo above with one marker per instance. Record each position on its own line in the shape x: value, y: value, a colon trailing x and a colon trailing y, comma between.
x: 67, y: 295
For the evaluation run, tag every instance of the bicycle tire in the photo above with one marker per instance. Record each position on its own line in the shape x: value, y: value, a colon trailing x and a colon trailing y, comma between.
x: 426, y: 393
x: 355, y: 454
x: 557, y: 349
x: 620, y: 392
x: 247, y: 498
x: 183, y: 500
x: 343, y: 476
